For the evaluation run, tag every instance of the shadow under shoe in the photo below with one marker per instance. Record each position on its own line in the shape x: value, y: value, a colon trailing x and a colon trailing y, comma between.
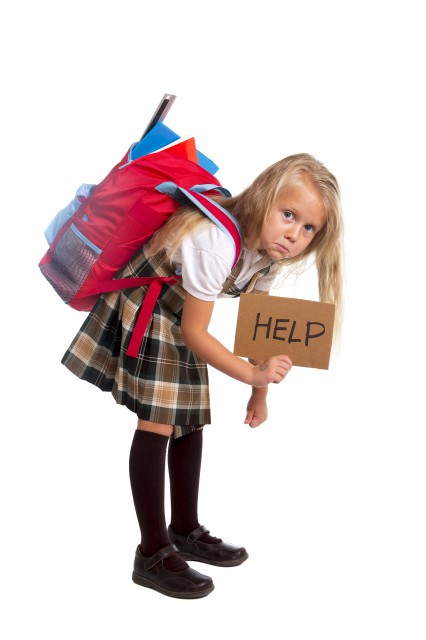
x: 150, y: 572
x: 220, y: 554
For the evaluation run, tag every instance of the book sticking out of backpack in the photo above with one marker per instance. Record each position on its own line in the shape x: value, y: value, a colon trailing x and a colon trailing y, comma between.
x: 105, y: 224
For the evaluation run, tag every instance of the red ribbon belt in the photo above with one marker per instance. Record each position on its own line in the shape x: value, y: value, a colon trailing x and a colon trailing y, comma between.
x: 151, y: 297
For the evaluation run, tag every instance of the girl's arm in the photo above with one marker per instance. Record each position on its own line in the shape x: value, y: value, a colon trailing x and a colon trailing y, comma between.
x: 257, y: 408
x: 196, y: 317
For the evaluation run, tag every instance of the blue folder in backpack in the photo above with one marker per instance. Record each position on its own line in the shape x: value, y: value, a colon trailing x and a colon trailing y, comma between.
x: 160, y: 136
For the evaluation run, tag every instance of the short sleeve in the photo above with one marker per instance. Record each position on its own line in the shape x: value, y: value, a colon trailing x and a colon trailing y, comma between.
x: 206, y: 256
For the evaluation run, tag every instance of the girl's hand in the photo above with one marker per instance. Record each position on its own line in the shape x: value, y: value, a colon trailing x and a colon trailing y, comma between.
x: 273, y: 370
x: 257, y: 411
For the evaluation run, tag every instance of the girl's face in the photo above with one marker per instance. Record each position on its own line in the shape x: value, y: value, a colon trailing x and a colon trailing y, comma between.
x: 297, y: 215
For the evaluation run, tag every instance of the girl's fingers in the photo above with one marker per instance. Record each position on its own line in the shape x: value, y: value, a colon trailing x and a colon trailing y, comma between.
x: 280, y: 373
x: 249, y: 417
x: 251, y: 420
x: 275, y: 368
x: 255, y: 422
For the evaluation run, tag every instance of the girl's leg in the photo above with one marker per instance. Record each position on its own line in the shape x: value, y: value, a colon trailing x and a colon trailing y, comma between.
x: 158, y: 564
x: 194, y: 541
x: 184, y: 460
x: 153, y: 427
x: 147, y: 471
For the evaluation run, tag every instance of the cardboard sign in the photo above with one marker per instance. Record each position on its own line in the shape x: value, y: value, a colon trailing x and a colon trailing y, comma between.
x: 270, y: 325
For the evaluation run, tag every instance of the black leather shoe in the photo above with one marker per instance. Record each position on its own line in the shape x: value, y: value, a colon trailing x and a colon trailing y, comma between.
x: 220, y: 554
x: 150, y: 572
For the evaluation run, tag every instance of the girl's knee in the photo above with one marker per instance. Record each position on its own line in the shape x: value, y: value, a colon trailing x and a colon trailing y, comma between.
x: 154, y: 427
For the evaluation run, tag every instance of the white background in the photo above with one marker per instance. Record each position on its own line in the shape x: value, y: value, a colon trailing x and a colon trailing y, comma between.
x: 329, y: 495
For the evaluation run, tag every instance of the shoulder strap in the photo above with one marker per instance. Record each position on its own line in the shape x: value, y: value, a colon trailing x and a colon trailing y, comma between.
x: 217, y: 214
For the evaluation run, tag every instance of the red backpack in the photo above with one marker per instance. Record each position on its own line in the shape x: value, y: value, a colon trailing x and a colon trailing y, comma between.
x: 104, y: 228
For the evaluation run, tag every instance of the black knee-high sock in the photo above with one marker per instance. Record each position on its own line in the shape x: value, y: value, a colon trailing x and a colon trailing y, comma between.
x: 147, y: 469
x: 184, y: 460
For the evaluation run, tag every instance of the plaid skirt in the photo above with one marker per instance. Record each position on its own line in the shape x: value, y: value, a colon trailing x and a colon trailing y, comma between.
x: 166, y: 383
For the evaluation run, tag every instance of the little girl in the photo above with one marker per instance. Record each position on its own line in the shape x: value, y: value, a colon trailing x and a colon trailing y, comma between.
x: 291, y: 210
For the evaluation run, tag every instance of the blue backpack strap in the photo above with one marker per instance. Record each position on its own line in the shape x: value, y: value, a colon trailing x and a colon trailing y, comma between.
x: 180, y: 194
x: 217, y: 214
x: 201, y: 188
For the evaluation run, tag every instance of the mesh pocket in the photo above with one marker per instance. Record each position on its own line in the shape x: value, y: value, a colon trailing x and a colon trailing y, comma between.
x: 71, y: 262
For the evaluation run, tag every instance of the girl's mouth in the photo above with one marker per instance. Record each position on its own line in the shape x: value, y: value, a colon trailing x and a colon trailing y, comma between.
x: 282, y: 248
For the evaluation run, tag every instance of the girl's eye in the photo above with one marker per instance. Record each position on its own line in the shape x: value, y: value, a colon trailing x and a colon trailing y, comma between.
x: 288, y: 215
x: 309, y: 228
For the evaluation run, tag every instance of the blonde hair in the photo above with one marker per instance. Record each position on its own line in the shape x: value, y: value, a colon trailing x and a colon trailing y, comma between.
x: 252, y: 208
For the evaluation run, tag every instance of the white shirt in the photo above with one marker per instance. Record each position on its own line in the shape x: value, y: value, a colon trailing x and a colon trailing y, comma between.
x: 205, y: 260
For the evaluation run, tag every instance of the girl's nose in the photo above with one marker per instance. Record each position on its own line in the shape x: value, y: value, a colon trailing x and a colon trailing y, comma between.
x: 291, y: 233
